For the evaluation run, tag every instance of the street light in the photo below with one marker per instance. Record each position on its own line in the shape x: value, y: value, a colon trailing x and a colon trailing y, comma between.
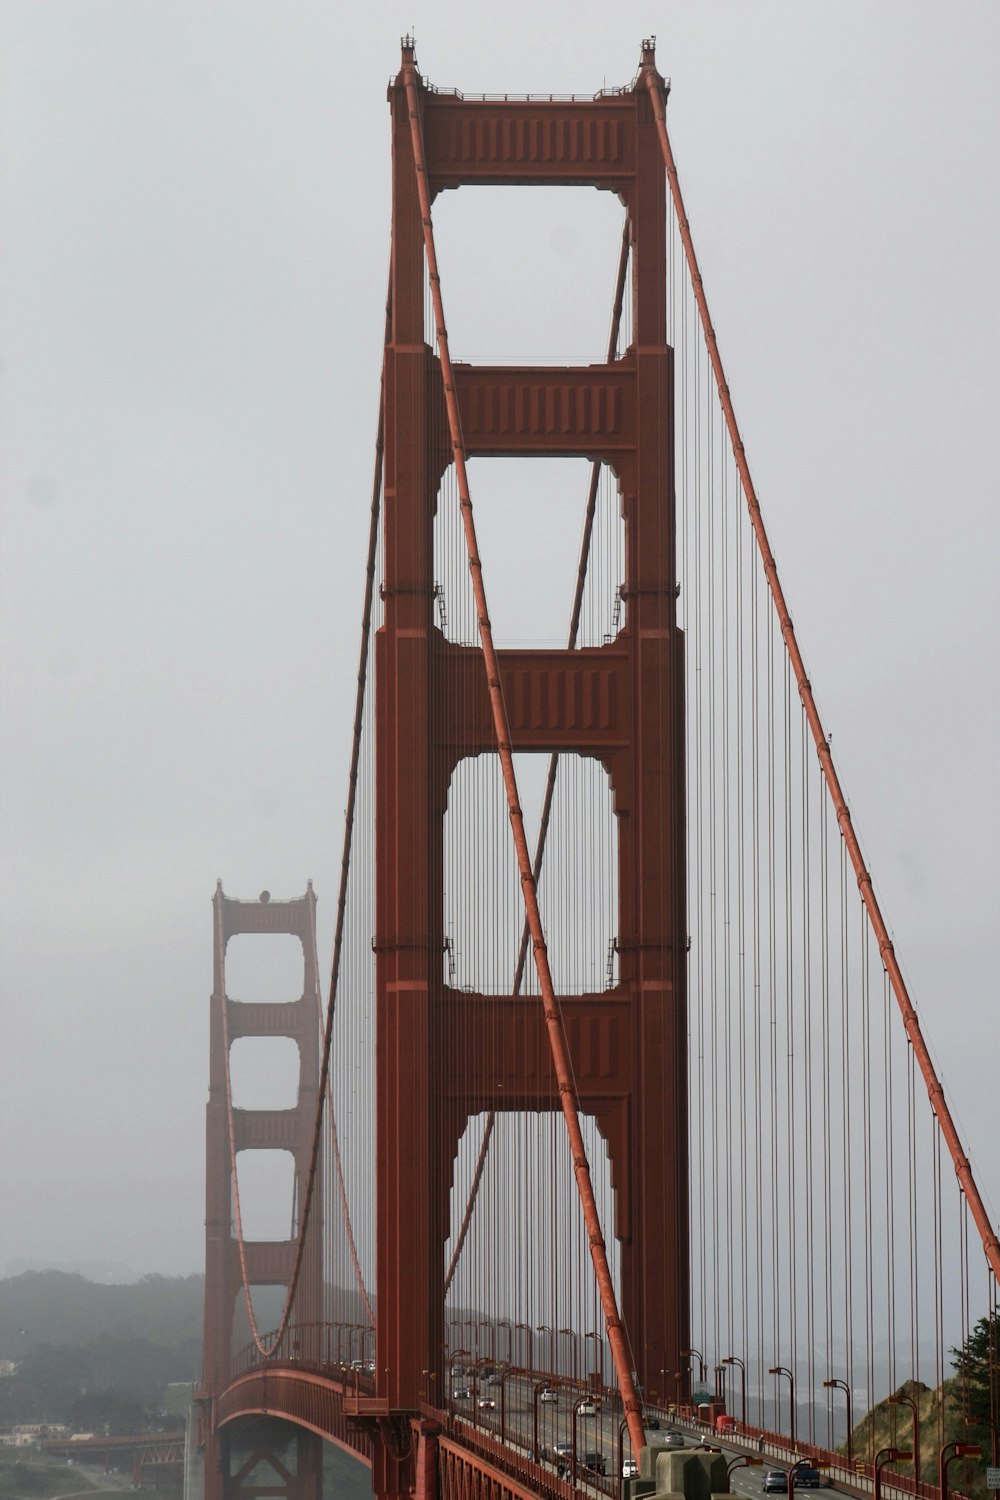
x: 544, y: 1328
x: 576, y: 1412
x: 783, y: 1370
x: 539, y: 1388
x: 744, y: 1461
x: 959, y: 1450
x: 914, y: 1405
x: 687, y: 1353
x: 800, y: 1463
x: 841, y: 1385
x: 530, y: 1339
x: 503, y: 1403
x: 720, y: 1373
x: 731, y: 1359
x: 888, y: 1456
x: 598, y: 1352
x: 505, y: 1323
x: 572, y: 1335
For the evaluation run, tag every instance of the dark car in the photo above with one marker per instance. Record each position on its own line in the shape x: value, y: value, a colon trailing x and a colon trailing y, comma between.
x: 807, y: 1479
x: 593, y: 1463
x: 775, y: 1482
x: 673, y: 1440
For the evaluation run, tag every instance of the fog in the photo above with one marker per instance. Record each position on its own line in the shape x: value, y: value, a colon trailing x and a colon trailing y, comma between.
x: 195, y: 203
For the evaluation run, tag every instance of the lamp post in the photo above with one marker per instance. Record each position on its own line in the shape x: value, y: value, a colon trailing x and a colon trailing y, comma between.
x: 545, y: 1328
x: 913, y: 1403
x: 731, y: 1359
x: 621, y: 1453
x: 888, y: 1456
x: 744, y: 1461
x: 576, y: 1413
x: 720, y: 1373
x: 841, y: 1385
x: 687, y: 1353
x: 598, y: 1352
x: 505, y: 1323
x: 503, y: 1404
x: 539, y: 1388
x: 783, y: 1370
x: 573, y: 1351
x: 488, y: 1323
x: 529, y: 1338
x: 958, y: 1450
x: 800, y: 1463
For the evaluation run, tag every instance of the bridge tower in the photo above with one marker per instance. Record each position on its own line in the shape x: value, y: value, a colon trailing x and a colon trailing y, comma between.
x: 622, y: 703
x: 290, y: 1460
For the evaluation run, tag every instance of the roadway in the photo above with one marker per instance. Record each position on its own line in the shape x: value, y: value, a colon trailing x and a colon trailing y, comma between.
x: 595, y: 1434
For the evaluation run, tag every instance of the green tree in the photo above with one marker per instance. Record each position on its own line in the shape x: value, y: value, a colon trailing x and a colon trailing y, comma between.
x: 977, y: 1365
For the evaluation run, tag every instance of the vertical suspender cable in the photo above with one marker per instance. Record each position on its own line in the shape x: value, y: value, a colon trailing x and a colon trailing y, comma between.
x: 550, y: 783
x: 963, y: 1169
x: 553, y: 1017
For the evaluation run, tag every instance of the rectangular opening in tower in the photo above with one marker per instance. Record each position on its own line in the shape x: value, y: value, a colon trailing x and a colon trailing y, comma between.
x: 527, y: 273
x: 530, y: 515
x: 264, y: 966
x: 266, y: 1181
x: 525, y: 1259
x: 578, y: 884
x: 265, y: 1072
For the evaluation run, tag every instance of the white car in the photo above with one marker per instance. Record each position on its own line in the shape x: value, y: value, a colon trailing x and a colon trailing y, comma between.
x: 586, y: 1409
x: 630, y: 1469
x: 487, y: 1403
x: 548, y: 1395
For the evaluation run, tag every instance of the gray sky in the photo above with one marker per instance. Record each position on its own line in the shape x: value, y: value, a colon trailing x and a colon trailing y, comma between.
x: 195, y: 201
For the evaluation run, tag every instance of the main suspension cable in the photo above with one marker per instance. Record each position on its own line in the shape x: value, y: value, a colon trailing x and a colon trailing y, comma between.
x: 345, y: 863
x: 911, y: 1023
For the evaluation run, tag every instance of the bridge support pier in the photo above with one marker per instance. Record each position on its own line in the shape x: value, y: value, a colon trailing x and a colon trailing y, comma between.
x: 426, y: 1466
x: 264, y: 1460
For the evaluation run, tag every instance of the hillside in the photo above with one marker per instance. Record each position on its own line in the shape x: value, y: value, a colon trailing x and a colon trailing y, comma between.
x: 941, y: 1421
x: 96, y: 1355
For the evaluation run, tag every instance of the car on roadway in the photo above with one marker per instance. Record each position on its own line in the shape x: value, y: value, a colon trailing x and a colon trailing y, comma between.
x: 487, y: 1403
x: 651, y: 1423
x: 630, y: 1469
x: 673, y: 1440
x: 494, y: 1379
x: 586, y: 1409
x: 548, y: 1395
x: 461, y: 1393
x: 775, y: 1482
x: 807, y: 1478
x: 593, y: 1463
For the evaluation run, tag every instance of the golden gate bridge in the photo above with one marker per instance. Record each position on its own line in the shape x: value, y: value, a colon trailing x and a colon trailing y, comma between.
x: 617, y: 1090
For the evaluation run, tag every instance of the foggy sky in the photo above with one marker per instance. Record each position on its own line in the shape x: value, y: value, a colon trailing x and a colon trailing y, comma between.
x: 195, y: 210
